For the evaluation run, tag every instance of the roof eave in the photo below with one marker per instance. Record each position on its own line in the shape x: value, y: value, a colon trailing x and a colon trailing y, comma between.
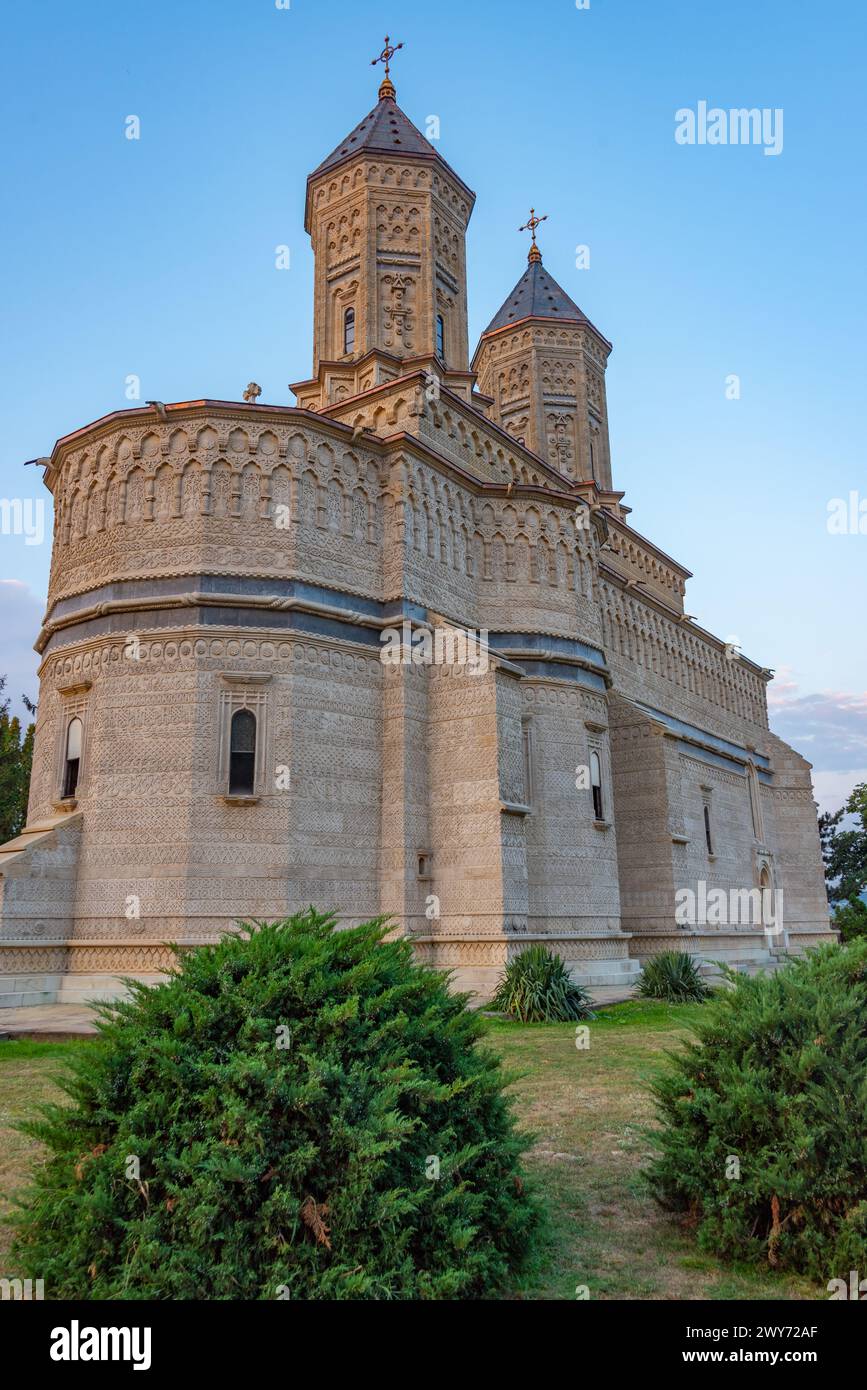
x: 583, y: 322
x: 432, y: 158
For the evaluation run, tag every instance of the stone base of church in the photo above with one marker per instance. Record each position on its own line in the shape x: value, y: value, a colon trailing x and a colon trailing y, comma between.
x: 78, y: 972
x: 741, y: 950
x: 75, y: 972
x: 476, y: 965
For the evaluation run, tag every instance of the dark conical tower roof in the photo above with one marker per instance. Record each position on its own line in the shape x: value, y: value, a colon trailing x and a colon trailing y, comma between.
x: 536, y: 296
x: 386, y: 130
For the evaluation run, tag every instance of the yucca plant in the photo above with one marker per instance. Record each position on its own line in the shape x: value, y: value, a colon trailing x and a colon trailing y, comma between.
x: 673, y: 976
x: 536, y: 987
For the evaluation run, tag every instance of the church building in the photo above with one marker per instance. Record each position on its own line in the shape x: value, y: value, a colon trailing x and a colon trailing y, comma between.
x: 395, y: 649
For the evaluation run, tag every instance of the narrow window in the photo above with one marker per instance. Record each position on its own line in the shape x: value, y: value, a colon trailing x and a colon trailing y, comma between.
x: 707, y: 834
x: 73, y: 757
x: 441, y: 338
x: 596, y: 786
x: 527, y: 751
x: 755, y: 801
x: 242, y: 753
x: 349, y: 331
x: 595, y: 435
x: 767, y: 912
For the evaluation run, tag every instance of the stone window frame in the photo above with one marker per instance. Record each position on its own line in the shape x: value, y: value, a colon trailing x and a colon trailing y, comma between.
x: 249, y: 691
x: 597, y: 742
x: 755, y: 792
x: 349, y: 331
x: 344, y: 297
x: 440, y: 336
x: 594, y: 436
x: 707, y: 822
x: 74, y: 705
x: 528, y: 760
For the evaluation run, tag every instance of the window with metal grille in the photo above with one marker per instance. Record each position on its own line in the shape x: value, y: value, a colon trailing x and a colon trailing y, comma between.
x: 73, y: 757
x: 242, y: 753
x: 596, y: 786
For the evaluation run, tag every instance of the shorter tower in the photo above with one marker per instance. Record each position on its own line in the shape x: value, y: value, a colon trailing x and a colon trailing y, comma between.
x: 542, y: 363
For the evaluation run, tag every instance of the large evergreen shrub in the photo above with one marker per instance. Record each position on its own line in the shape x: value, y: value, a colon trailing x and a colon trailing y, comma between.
x: 764, y: 1118
x: 298, y: 1112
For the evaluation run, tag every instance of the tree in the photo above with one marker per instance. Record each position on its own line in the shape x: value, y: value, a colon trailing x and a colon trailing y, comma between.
x: 845, y: 855
x: 16, y: 759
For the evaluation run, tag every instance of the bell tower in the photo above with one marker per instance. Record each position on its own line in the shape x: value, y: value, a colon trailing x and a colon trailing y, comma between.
x: 543, y: 364
x: 387, y: 217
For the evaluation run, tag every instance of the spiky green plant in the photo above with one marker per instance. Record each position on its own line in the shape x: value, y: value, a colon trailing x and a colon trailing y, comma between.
x: 764, y: 1118
x: 673, y: 976
x: 536, y: 987
x: 298, y: 1112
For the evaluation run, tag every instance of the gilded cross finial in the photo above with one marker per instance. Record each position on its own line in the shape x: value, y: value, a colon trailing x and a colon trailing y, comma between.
x: 530, y: 226
x: 387, y: 87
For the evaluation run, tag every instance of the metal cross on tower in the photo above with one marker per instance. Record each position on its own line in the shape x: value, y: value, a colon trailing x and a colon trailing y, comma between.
x: 387, y: 88
x: 530, y: 226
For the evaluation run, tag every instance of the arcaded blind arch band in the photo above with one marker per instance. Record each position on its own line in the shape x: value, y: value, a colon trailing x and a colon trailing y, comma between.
x: 257, y: 552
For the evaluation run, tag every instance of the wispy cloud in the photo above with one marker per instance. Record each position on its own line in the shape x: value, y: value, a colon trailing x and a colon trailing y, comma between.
x: 830, y: 728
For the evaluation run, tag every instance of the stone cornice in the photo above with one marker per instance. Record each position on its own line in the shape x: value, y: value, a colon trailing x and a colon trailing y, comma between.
x: 654, y: 550
x: 199, y: 409
x: 374, y: 156
x: 558, y: 322
x: 468, y: 412
x: 650, y: 600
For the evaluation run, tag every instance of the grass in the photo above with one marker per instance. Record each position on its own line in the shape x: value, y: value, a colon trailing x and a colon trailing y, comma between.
x: 27, y: 1072
x: 588, y: 1109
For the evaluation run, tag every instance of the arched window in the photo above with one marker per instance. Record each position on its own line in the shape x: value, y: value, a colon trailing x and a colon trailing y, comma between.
x: 596, y: 786
x: 73, y: 757
x: 242, y: 753
x: 707, y: 834
x: 441, y: 338
x: 349, y: 331
x: 767, y: 912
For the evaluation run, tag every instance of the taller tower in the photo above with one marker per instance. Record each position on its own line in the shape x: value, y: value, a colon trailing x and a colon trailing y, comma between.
x: 387, y: 217
x: 543, y: 364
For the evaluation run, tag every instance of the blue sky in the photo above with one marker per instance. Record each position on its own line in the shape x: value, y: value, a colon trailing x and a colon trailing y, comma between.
x: 156, y: 257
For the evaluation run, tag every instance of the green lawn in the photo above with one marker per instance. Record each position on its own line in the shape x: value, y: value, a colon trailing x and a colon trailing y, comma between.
x: 587, y: 1109
x: 27, y: 1070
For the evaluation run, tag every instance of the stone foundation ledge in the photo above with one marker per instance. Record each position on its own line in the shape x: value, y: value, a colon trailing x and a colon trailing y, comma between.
x: 476, y: 965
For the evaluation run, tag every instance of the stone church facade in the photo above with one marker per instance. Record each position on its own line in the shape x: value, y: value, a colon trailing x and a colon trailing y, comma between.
x: 219, y: 736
